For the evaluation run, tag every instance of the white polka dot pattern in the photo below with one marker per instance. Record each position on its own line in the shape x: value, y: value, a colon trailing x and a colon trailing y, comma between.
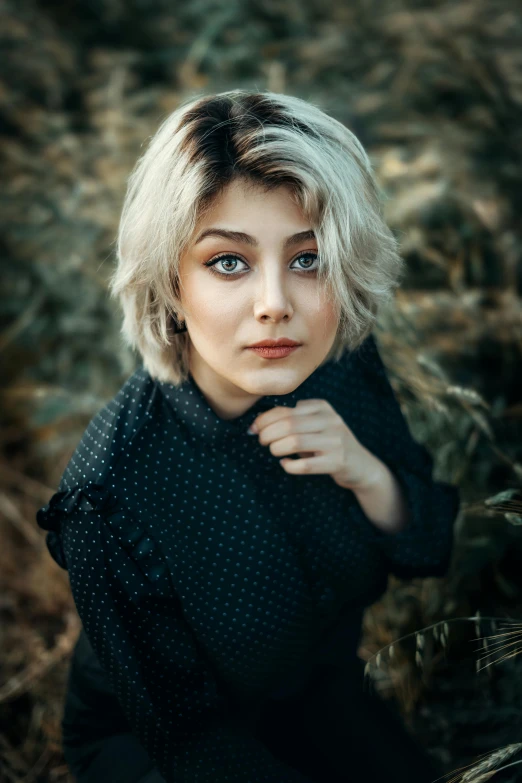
x: 206, y: 577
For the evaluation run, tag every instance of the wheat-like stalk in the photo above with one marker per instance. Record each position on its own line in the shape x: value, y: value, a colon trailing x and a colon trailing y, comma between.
x: 485, y: 769
x: 502, y: 644
x: 441, y: 633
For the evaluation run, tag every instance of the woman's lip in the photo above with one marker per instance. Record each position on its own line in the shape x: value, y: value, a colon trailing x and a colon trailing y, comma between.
x: 274, y: 351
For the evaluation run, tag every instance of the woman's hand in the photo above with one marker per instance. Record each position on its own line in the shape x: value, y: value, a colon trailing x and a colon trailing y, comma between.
x: 315, y: 431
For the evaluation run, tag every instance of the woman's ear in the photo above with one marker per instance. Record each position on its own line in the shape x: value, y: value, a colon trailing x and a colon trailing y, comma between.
x: 178, y: 326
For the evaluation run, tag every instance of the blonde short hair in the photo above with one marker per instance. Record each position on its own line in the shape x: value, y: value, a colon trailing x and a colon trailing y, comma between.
x: 267, y: 139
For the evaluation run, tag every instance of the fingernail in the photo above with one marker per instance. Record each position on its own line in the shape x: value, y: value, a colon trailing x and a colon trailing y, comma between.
x: 252, y: 430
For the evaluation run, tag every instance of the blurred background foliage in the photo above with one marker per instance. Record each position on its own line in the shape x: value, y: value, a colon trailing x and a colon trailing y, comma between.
x: 434, y: 92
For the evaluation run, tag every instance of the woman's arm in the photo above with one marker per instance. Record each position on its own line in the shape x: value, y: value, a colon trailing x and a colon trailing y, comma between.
x: 382, y: 498
x: 134, y: 621
x: 405, y: 495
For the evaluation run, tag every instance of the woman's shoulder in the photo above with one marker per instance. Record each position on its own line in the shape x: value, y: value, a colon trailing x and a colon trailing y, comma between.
x: 81, y: 516
x: 366, y: 358
x: 87, y: 483
x: 350, y: 378
x: 111, y: 430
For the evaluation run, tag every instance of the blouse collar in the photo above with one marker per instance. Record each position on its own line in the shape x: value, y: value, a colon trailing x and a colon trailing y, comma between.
x: 201, y: 421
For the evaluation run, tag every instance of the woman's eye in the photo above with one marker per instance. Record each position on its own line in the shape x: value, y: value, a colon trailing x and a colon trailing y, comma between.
x: 228, y: 271
x: 313, y: 256
x: 225, y: 261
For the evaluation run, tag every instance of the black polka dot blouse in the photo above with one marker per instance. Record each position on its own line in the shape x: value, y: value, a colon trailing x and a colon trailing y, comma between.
x: 207, y: 577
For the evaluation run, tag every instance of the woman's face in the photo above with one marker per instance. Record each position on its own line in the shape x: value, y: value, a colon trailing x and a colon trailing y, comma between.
x: 264, y: 286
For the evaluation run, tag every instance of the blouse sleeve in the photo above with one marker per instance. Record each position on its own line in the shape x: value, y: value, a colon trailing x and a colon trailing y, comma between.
x: 134, y: 621
x: 425, y: 546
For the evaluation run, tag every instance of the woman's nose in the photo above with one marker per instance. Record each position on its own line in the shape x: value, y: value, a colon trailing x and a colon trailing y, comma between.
x: 273, y: 294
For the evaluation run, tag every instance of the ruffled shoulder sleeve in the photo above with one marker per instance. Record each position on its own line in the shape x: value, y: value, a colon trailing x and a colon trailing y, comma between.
x: 92, y: 497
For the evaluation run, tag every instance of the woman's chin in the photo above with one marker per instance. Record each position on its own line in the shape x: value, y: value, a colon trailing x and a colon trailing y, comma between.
x: 272, y: 381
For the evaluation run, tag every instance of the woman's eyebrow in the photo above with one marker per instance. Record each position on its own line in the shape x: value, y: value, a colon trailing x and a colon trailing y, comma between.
x: 239, y: 236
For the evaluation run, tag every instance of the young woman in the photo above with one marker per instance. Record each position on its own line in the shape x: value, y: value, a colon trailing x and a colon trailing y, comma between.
x: 221, y: 573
